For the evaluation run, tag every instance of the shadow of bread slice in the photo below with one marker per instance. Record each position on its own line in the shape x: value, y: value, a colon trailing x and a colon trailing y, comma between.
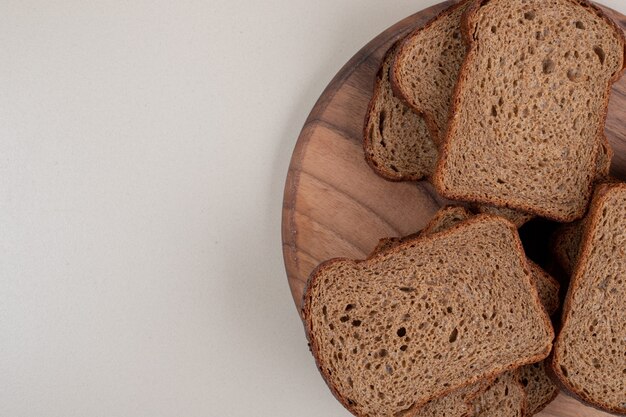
x: 529, y: 106
x: 416, y: 322
x: 589, y: 355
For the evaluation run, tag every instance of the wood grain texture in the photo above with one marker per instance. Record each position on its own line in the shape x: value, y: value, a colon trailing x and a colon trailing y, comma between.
x: 336, y: 206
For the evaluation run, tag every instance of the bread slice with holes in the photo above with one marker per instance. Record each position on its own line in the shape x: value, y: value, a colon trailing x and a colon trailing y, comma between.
x: 504, y: 398
x: 396, y: 140
x: 459, y: 402
x: 588, y: 357
x: 565, y: 244
x: 517, y: 217
x: 538, y: 388
x: 448, y: 216
x: 526, y: 124
x: 426, y: 68
x: 409, y: 325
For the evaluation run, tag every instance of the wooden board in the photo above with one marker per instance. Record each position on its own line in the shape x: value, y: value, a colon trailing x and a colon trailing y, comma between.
x: 335, y: 206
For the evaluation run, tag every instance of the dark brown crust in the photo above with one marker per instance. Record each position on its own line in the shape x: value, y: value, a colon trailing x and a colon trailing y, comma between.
x: 467, y: 33
x: 312, y: 280
x: 602, y: 193
x: 393, y: 75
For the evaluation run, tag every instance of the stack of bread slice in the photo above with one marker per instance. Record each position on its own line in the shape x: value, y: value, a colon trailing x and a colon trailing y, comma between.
x: 501, y: 104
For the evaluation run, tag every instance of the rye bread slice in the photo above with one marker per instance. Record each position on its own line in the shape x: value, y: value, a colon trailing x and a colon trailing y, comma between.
x: 426, y: 68
x: 459, y: 402
x: 504, y: 398
x: 539, y: 388
x: 455, y: 404
x: 396, y: 140
x: 589, y: 357
x: 565, y: 244
x: 399, y: 143
x: 525, y: 125
x: 445, y: 218
x: 412, y: 324
x: 547, y: 287
x: 448, y: 216
x: 517, y: 217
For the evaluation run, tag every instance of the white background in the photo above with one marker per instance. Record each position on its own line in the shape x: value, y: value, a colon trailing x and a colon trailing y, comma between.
x: 143, y: 151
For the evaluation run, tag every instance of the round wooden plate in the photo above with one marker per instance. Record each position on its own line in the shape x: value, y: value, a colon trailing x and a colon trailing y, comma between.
x: 335, y: 206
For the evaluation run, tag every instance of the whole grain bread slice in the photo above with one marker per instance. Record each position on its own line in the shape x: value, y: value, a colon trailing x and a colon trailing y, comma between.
x: 399, y: 143
x: 409, y: 325
x: 539, y: 387
x: 565, y: 243
x: 589, y: 355
x: 504, y: 398
x: 448, y: 216
x: 517, y: 217
x: 396, y: 140
x: 458, y: 403
x: 539, y: 390
x: 525, y: 126
x: 426, y: 68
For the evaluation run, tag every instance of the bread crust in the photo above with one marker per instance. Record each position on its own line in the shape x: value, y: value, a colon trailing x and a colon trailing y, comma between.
x: 466, y: 30
x: 394, y: 73
x: 601, y: 195
x: 313, y: 278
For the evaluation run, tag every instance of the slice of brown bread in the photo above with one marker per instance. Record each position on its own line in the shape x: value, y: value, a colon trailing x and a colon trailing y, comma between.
x: 547, y: 287
x: 417, y: 322
x: 540, y: 390
x: 589, y: 357
x: 566, y: 244
x: 504, y: 398
x: 459, y: 402
x: 526, y: 124
x: 397, y: 143
x: 448, y: 216
x: 445, y: 218
x: 517, y: 217
x: 456, y: 404
x: 396, y: 140
x: 427, y: 65
x: 539, y: 387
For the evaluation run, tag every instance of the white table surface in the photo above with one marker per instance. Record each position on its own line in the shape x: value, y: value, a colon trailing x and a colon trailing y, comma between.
x: 143, y: 151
